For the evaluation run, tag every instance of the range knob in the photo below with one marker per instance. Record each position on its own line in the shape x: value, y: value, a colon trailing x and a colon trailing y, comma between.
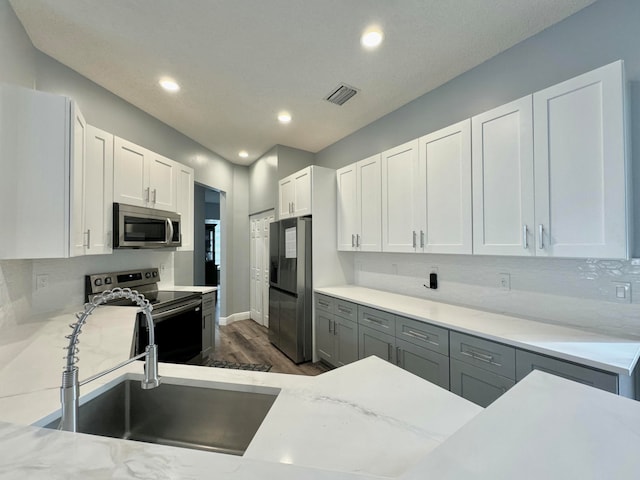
x: 155, y: 274
x: 147, y: 275
x: 107, y: 281
x: 97, y: 282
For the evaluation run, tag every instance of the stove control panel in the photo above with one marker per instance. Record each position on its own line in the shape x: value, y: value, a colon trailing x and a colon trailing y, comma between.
x: 142, y: 279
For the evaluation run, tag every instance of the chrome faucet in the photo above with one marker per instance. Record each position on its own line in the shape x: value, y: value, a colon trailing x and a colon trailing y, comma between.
x: 70, y: 389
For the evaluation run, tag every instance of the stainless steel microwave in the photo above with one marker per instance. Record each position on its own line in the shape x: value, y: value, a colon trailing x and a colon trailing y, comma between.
x: 139, y: 227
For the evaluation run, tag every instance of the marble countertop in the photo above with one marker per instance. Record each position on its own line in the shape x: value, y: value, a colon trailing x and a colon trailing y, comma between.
x: 616, y: 355
x: 194, y: 288
x: 368, y: 418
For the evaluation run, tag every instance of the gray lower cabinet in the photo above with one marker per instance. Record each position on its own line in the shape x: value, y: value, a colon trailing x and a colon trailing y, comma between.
x: 427, y: 364
x: 526, y: 362
x: 346, y: 341
x: 208, y: 323
x: 325, y: 341
x: 477, y: 385
x: 336, y: 331
x: 375, y: 342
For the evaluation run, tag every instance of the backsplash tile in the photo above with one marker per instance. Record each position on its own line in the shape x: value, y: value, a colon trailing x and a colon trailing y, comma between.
x: 577, y: 293
x: 20, y: 302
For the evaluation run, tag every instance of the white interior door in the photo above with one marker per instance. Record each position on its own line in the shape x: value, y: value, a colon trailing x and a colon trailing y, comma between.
x: 259, y: 265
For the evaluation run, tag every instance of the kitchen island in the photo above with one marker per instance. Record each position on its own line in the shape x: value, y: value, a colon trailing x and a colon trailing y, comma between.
x: 369, y: 419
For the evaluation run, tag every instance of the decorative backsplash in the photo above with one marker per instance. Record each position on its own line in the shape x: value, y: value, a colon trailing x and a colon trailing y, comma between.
x: 21, y: 301
x: 579, y: 293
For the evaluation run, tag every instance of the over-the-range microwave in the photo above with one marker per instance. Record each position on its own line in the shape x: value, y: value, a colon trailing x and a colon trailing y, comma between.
x: 140, y: 227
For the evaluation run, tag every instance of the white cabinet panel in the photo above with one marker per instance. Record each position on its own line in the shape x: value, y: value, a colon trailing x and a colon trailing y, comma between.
x: 286, y: 193
x: 347, y: 215
x: 294, y: 194
x: 580, y: 163
x: 369, y: 208
x: 445, y: 190
x: 184, y: 204
x: 503, y: 205
x: 130, y: 173
x: 98, y: 192
x: 79, y: 235
x: 162, y: 182
x: 400, y: 198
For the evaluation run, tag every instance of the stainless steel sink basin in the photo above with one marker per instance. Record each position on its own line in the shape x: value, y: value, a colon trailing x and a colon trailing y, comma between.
x: 213, y: 419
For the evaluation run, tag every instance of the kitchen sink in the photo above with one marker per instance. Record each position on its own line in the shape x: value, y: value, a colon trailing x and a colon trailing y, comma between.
x: 221, y: 419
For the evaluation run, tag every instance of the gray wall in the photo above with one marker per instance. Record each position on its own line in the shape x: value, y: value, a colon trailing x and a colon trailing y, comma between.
x: 604, y: 32
x: 199, y: 216
x: 290, y: 160
x: 22, y: 64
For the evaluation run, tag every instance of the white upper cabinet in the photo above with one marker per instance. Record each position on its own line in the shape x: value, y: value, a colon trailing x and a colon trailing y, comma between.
x: 294, y: 194
x: 359, y: 206
x: 98, y: 192
x: 503, y: 205
x: 184, y: 205
x: 400, y: 198
x: 581, y: 165
x: 79, y: 232
x: 143, y: 178
x: 40, y: 136
x: 445, y: 190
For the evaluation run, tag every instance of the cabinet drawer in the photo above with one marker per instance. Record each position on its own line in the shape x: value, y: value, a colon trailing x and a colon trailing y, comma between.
x: 424, y: 363
x: 477, y: 385
x: 423, y: 334
x: 346, y: 310
x: 208, y: 301
x: 324, y: 303
x: 491, y: 356
x: 377, y: 319
x: 526, y: 362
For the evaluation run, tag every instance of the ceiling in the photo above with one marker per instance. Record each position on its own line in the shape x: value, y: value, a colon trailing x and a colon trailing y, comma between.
x: 240, y: 62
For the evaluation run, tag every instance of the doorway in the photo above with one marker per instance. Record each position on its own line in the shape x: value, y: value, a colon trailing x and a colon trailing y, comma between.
x: 207, y: 245
x: 259, y: 264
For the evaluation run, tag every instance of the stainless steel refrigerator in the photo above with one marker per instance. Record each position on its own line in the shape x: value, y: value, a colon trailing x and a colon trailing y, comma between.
x: 290, y: 287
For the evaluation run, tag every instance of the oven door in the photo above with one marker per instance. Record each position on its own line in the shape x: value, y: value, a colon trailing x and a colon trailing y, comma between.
x: 178, y: 333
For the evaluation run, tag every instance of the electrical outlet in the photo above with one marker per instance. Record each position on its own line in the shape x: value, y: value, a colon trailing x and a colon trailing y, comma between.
x: 504, y: 281
x: 42, y: 281
x: 621, y: 292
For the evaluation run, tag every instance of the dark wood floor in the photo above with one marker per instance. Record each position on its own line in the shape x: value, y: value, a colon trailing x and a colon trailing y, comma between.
x: 247, y: 342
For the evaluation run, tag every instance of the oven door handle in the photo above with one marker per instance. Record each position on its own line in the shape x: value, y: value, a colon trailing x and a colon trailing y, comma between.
x: 174, y: 311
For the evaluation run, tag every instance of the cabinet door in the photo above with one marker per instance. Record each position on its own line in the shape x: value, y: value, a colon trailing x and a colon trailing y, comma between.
x: 184, y: 204
x: 400, y: 202
x: 580, y: 162
x: 130, y: 173
x: 346, y: 345
x: 445, y: 190
x: 99, y: 191
x: 503, y: 208
x: 286, y: 188
x: 162, y: 183
x: 302, y: 192
x: 526, y: 362
x: 374, y: 342
x: 207, y: 334
x: 477, y: 385
x: 347, y: 206
x: 369, y: 208
x: 325, y: 338
x: 424, y: 363
x: 78, y: 174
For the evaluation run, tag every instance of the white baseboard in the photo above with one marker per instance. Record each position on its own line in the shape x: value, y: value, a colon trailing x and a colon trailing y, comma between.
x: 234, y: 317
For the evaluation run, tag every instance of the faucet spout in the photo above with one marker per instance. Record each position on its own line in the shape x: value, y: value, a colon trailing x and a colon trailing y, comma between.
x: 70, y: 388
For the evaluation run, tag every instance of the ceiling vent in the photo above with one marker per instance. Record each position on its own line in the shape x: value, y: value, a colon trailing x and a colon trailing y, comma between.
x: 341, y: 94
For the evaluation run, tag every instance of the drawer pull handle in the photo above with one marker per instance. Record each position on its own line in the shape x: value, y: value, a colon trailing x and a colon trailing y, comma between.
x: 398, y: 357
x: 353, y: 240
x: 483, y: 357
x: 411, y: 333
x: 324, y: 304
x: 345, y: 310
x: 525, y: 242
x: 374, y: 320
x: 389, y: 352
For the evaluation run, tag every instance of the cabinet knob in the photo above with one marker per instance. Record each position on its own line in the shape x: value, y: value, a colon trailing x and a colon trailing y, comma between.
x: 541, y: 236
x: 525, y: 240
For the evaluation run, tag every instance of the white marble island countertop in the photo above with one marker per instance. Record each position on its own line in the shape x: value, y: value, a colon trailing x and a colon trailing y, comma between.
x: 616, y: 355
x: 367, y: 420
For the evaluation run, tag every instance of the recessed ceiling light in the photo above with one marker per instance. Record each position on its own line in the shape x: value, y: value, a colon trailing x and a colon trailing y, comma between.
x: 243, y: 154
x: 169, y: 85
x: 284, y: 117
x: 371, y: 38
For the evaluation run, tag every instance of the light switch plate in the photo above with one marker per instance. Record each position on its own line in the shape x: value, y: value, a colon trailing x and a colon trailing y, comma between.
x: 621, y: 292
x: 504, y: 281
